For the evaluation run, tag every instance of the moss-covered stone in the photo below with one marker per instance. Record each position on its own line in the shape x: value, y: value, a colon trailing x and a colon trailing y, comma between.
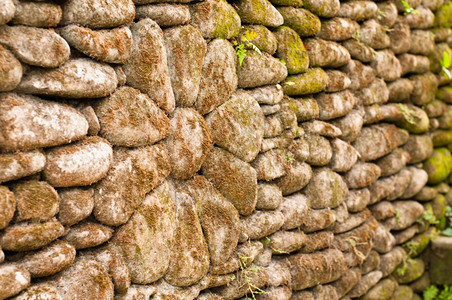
x: 313, y: 81
x: 383, y: 290
x: 301, y: 20
x: 445, y: 93
x: 414, y: 269
x: 265, y: 40
x: 291, y: 50
x: 258, y: 12
x: 413, y: 119
x: 215, y: 19
x: 438, y: 166
x: 441, y: 138
x: 443, y: 16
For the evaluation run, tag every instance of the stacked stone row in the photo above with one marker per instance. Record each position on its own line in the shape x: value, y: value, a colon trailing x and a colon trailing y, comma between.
x: 142, y: 158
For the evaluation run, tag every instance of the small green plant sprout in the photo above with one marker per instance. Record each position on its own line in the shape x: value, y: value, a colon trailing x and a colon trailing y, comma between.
x: 446, y: 293
x: 445, y: 64
x: 380, y: 14
x: 397, y: 215
x: 430, y: 293
x: 408, y: 8
x: 289, y: 83
x: 407, y: 113
x: 282, y: 61
x: 288, y: 158
x: 427, y: 218
x: 241, y: 48
x: 412, y: 247
x: 387, y: 29
x: 448, y: 230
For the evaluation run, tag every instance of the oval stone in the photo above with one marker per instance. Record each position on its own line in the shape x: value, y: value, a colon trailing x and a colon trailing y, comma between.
x: 13, y: 279
x: 11, y: 71
x: 79, y: 164
x: 7, y: 206
x: 20, y: 164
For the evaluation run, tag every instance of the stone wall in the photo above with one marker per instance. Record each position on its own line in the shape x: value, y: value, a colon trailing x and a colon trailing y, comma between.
x: 210, y: 150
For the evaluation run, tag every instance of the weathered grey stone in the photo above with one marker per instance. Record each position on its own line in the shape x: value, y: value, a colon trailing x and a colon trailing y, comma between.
x: 35, y: 200
x: 165, y: 14
x: 262, y: 38
x: 388, y: 15
x: 28, y: 122
x: 113, y: 261
x: 409, y: 212
x: 420, y: 147
x: 436, y: 108
x: 422, y: 20
x: 387, y: 65
x: 313, y: 81
x: 78, y: 164
x: 8, y: 8
x: 260, y: 224
x: 390, y: 260
x: 270, y: 109
x: 359, y: 51
x: 373, y: 34
x: 350, y: 222
x: 240, y: 112
x: 425, y: 88
x: 321, y: 128
x: 44, y: 47
x: 251, y: 278
x: 325, y: 9
x: 7, y: 206
x: 358, y: 10
x: 337, y: 81
x: 112, y: 46
x: 357, y: 200
x: 300, y: 149
x: 320, y: 151
x: 301, y: 20
x: 76, y: 78
x: 414, y: 269
x: 308, y: 270
x: 98, y: 14
x: 393, y: 162
x: 271, y: 70
x: 185, y: 48
x: 75, y: 205
x: 400, y: 90
x: 383, y: 240
x: 235, y: 179
x: 344, y: 284
x: 218, y: 217
x: 378, y: 140
x: 278, y: 273
x: 344, y: 156
x: 130, y: 118
x: 422, y: 42
x: 359, y: 74
x: 284, y: 242
x: 350, y: 125
x: 13, y: 279
x: 280, y: 292
x: 391, y: 187
x: 90, y: 116
x: 337, y: 55
x: 49, y: 260
x: 295, y: 208
x: 326, y: 189
x: 219, y: 78
x: 269, y: 196
x: 296, y: 178
x: 367, y: 281
x: 84, y: 279
x: 338, y: 29
x: 271, y: 164
x: 335, y: 105
x: 133, y: 174
x: 87, y: 235
x: 30, y: 236
x: 291, y: 50
x: 317, y: 241
x: 188, y: 142
x: 146, y: 239
x: 271, y: 94
x: 148, y: 70
x: 258, y: 12
x: 371, y: 263
x: 37, y: 14
x: 361, y: 175
x: 419, y: 178
x: 382, y: 210
x: 215, y: 19
x: 21, y: 164
x: 305, y: 108
x: 11, y: 72
x: 400, y: 36
x: 40, y: 290
x: 375, y: 93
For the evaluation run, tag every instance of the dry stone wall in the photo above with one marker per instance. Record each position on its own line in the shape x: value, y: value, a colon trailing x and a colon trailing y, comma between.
x: 218, y: 150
